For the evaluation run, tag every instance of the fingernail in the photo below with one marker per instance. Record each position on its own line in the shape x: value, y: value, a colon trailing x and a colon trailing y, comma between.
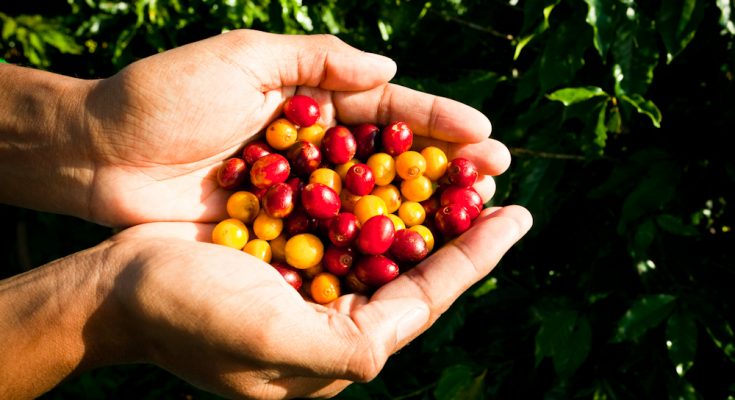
x: 411, y: 323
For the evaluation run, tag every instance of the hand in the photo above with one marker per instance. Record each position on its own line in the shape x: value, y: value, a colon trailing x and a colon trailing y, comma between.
x: 221, y: 319
x: 160, y: 128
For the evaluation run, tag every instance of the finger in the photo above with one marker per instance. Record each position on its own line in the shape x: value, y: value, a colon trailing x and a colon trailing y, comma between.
x: 485, y: 187
x: 440, y: 279
x: 324, y: 61
x: 489, y: 155
x: 190, y: 231
x: 426, y: 114
x: 300, y: 387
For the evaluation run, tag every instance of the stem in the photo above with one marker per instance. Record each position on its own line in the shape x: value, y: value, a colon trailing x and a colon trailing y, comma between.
x: 520, y: 152
x: 472, y: 25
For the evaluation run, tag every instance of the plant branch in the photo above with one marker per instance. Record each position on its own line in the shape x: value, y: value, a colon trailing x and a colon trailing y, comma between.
x: 472, y: 25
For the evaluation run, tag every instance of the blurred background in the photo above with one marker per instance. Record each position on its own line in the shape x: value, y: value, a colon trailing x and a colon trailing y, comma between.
x: 618, y: 114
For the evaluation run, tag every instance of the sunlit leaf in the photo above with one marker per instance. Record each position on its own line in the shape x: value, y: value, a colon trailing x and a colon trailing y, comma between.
x: 602, y: 16
x: 677, y: 22
x: 726, y: 16
x: 572, y: 95
x: 645, y: 107
x: 635, y: 54
x: 646, y: 313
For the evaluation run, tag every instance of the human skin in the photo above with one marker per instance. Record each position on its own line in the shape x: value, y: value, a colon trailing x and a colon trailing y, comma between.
x: 143, y: 146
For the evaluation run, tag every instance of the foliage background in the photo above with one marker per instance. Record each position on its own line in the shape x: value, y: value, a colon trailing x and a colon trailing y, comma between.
x: 618, y: 114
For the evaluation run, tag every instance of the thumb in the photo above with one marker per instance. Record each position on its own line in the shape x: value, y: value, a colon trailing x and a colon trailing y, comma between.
x: 322, y: 61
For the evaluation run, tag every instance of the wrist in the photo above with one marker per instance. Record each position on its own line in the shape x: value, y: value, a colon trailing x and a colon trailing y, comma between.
x: 44, y: 160
x: 61, y: 319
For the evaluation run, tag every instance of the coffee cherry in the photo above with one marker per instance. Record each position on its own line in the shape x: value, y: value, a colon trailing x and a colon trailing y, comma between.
x: 462, y: 172
x: 301, y: 110
x: 320, y: 201
x: 231, y: 233
x: 412, y: 213
x: 266, y: 227
x: 425, y: 234
x: 243, y: 205
x: 348, y: 200
x: 304, y: 251
x: 341, y: 169
x: 418, y: 189
x: 299, y: 222
x: 452, y: 220
x: 390, y: 195
x: 410, y: 165
x: 376, y: 270
x: 269, y: 170
x: 255, y: 150
x: 278, y: 247
x: 465, y: 196
x: 431, y: 205
x: 338, y: 145
x: 360, y: 180
x: 290, y: 275
x: 232, y: 173
x: 311, y: 272
x: 436, y: 162
x: 397, y: 222
x: 408, y: 247
x: 328, y: 177
x: 397, y: 138
x: 369, y: 206
x: 325, y: 288
x: 343, y: 229
x: 366, y: 136
x: 259, y: 248
x: 383, y: 167
x: 312, y: 134
x: 305, y: 157
x: 281, y: 134
x: 338, y: 260
x: 278, y: 201
x: 376, y: 235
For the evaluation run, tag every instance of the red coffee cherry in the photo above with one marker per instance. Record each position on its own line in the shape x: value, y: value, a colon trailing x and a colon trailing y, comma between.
x: 465, y: 196
x: 339, y: 260
x: 301, y: 110
x: 278, y: 201
x: 462, y: 172
x: 343, y: 229
x: 232, y: 173
x: 376, y: 235
x: 360, y: 179
x: 366, y: 136
x: 299, y: 222
x: 305, y: 158
x: 290, y: 275
x: 376, y: 270
x: 269, y: 170
x: 452, y: 220
x: 338, y: 145
x: 320, y: 201
x: 255, y: 150
x: 408, y: 247
x: 397, y: 138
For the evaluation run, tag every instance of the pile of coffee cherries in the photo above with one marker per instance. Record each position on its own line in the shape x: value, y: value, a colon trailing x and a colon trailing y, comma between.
x: 342, y: 210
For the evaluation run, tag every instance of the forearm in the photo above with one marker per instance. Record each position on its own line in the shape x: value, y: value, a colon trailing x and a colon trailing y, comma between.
x: 44, y: 163
x: 57, y: 320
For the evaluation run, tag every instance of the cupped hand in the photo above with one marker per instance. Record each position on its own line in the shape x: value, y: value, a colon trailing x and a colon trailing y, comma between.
x: 229, y: 323
x: 159, y: 129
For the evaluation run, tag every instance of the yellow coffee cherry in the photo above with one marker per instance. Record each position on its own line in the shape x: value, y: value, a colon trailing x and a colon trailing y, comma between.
x: 278, y: 247
x: 259, y: 248
x: 312, y: 134
x: 410, y: 165
x: 398, y: 223
x: 418, y: 189
x: 304, y: 251
x: 412, y: 213
x: 369, y: 206
x: 231, y: 233
x: 390, y: 195
x: 281, y: 134
x: 426, y: 234
x: 243, y: 205
x: 436, y: 162
x: 342, y: 169
x: 384, y: 168
x: 325, y: 288
x: 266, y: 227
x: 327, y: 177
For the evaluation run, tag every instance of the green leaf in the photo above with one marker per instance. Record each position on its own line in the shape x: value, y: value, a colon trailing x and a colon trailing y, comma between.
x: 487, y: 286
x: 563, y: 54
x: 644, y: 234
x: 533, y: 10
x: 564, y: 337
x: 9, y: 26
x: 602, y: 16
x: 677, y: 22
x: 635, y: 53
x: 443, y: 330
x: 726, y: 16
x: 572, y: 95
x: 457, y: 382
x: 675, y: 225
x: 386, y: 30
x: 681, y: 341
x: 646, y: 313
x: 645, y: 107
x: 572, y: 352
x: 601, y: 127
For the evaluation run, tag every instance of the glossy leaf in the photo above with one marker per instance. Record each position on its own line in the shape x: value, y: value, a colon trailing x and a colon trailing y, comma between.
x: 726, y: 16
x: 602, y: 16
x: 681, y: 341
x: 566, y: 338
x: 457, y: 383
x: 635, y: 55
x: 573, y: 95
x: 677, y: 23
x: 646, y: 313
x: 645, y: 107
